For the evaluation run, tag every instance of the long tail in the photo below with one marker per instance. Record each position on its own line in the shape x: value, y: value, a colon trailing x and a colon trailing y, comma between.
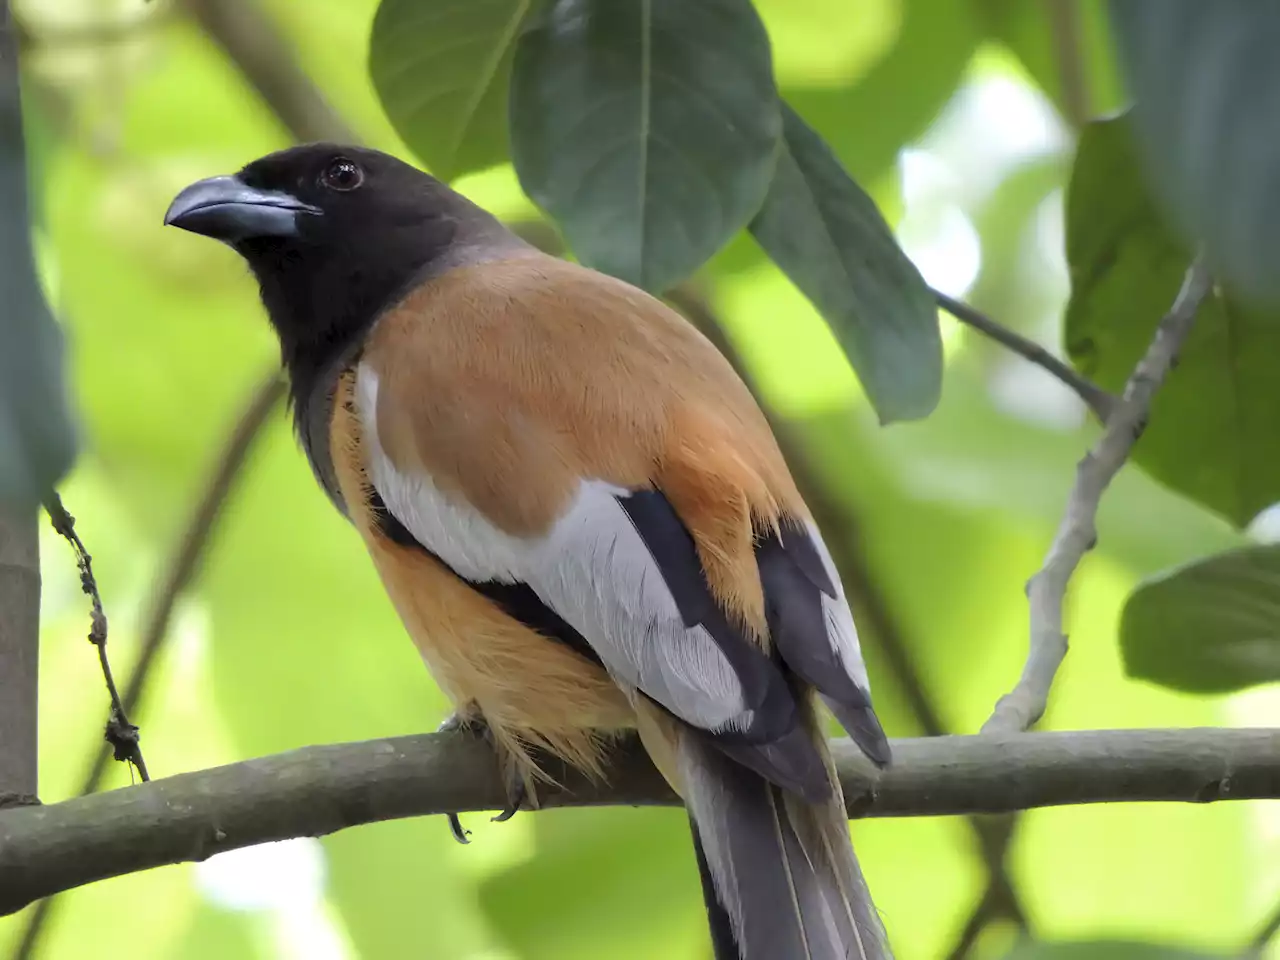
x: 779, y: 874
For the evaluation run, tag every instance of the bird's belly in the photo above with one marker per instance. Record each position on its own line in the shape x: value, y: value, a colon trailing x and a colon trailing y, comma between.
x: 516, y: 677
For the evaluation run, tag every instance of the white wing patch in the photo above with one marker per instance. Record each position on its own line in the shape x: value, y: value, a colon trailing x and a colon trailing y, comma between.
x: 592, y: 568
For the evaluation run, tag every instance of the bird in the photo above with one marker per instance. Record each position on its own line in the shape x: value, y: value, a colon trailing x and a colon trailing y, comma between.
x: 581, y: 516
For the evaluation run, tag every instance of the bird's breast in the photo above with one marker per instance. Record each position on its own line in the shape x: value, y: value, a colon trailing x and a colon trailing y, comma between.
x: 530, y: 688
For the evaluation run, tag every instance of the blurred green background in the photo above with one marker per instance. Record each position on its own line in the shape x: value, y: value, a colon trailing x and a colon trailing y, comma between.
x: 950, y: 112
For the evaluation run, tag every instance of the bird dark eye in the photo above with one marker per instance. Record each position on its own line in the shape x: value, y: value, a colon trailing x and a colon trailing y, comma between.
x: 342, y: 174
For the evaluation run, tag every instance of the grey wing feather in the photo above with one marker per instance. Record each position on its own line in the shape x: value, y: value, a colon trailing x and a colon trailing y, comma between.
x: 813, y: 630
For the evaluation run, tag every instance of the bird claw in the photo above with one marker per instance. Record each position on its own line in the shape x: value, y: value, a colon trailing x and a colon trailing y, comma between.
x: 465, y: 722
x: 474, y: 723
x: 460, y: 833
x: 516, y: 797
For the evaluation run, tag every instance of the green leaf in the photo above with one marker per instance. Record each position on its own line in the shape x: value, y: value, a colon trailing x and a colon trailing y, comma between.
x: 1214, y: 422
x: 828, y: 237
x: 1102, y: 950
x: 918, y: 75
x: 1206, y: 85
x: 37, y: 441
x: 441, y: 69
x: 647, y: 128
x: 1211, y: 626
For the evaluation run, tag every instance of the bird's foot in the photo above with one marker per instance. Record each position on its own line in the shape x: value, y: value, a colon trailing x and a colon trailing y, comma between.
x: 473, y: 722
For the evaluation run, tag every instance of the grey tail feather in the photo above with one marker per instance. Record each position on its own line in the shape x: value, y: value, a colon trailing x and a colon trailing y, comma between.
x: 778, y: 873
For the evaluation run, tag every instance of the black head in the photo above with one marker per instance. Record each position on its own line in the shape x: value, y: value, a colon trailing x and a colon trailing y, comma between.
x: 334, y: 235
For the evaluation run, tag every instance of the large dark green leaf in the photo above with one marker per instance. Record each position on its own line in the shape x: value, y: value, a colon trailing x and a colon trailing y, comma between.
x: 1214, y: 423
x: 37, y: 442
x: 827, y: 235
x: 1206, y: 84
x: 1102, y: 950
x: 1211, y: 626
x: 441, y: 68
x: 647, y: 128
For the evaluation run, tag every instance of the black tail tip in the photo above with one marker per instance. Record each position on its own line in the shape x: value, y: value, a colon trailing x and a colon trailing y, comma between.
x: 878, y: 753
x: 863, y: 726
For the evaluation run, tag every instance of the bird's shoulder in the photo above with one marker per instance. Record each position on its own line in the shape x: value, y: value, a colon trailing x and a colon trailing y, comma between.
x: 511, y: 382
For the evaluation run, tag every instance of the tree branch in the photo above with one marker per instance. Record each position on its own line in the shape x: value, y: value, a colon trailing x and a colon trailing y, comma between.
x: 319, y: 790
x: 19, y: 655
x: 29, y: 418
x: 253, y: 42
x: 1100, y: 401
x: 1077, y: 534
x: 999, y: 897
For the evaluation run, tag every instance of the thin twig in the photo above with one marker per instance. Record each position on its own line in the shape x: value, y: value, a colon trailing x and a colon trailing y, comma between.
x: 182, y: 568
x: 1077, y: 534
x: 1100, y: 401
x: 999, y: 899
x: 120, y: 733
x: 318, y: 790
x: 973, y: 927
x: 254, y: 43
x: 185, y: 563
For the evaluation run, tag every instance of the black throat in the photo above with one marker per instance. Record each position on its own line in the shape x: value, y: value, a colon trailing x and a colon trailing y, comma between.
x: 323, y: 299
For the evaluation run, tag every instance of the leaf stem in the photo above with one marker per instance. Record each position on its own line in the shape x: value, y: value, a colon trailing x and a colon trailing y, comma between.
x: 1100, y: 401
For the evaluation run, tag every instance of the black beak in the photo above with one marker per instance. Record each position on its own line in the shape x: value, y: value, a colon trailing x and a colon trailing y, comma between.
x: 226, y: 209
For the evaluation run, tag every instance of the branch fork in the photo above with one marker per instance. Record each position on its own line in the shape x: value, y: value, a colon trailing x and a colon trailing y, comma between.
x: 1077, y: 533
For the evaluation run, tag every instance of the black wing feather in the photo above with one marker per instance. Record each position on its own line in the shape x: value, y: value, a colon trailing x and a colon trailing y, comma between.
x: 776, y: 744
x: 794, y: 580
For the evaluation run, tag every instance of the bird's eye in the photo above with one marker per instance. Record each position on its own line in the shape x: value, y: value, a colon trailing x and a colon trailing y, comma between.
x: 342, y: 174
